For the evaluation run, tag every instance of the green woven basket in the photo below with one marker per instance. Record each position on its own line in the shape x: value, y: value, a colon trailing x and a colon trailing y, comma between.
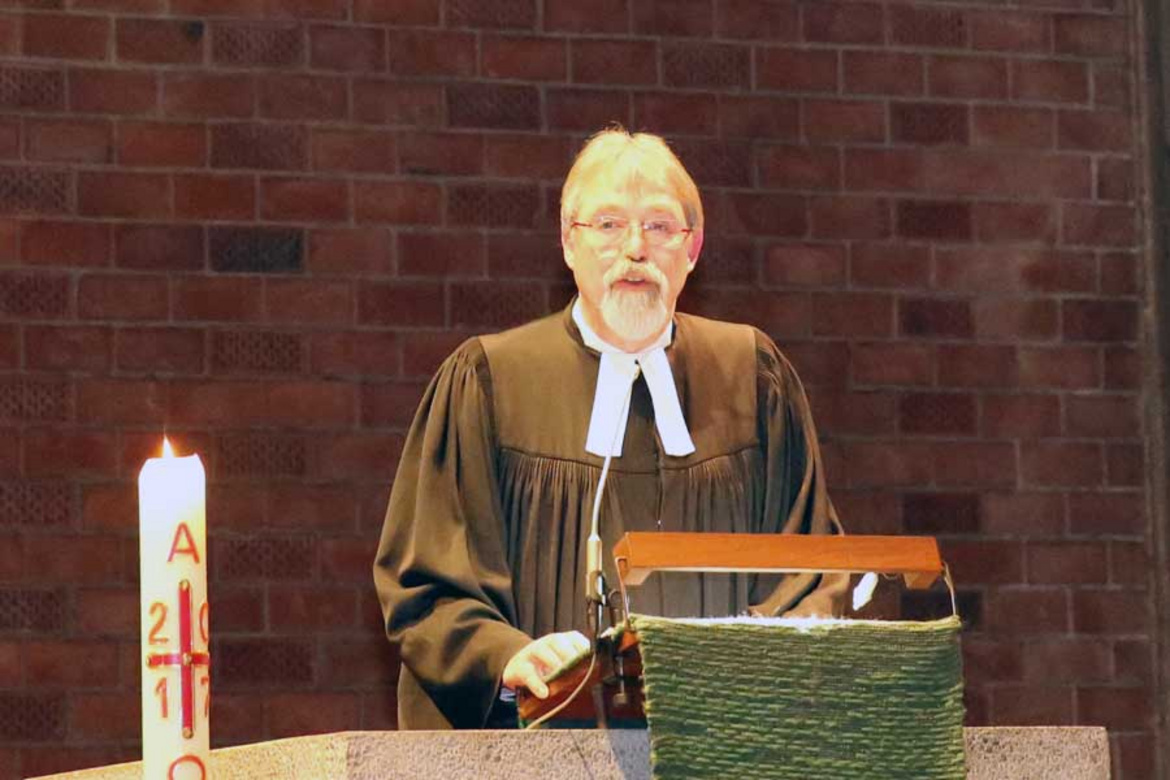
x: 794, y: 698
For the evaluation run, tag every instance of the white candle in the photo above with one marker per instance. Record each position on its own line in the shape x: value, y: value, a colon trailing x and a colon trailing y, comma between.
x: 176, y: 663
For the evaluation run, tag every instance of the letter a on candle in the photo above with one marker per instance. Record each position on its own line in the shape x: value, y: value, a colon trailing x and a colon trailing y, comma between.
x: 175, y: 643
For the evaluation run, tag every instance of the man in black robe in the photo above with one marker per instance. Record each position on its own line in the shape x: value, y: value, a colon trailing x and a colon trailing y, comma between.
x: 481, y: 565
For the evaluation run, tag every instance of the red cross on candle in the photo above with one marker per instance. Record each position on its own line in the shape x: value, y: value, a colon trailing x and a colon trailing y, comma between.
x: 186, y: 659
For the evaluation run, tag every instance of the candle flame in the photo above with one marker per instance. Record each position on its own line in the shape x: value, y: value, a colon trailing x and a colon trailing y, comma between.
x: 168, y: 451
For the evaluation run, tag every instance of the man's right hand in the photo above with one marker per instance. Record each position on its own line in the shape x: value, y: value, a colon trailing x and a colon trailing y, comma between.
x: 542, y: 657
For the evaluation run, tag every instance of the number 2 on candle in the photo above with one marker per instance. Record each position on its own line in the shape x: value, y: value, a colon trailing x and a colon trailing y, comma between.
x: 157, y: 638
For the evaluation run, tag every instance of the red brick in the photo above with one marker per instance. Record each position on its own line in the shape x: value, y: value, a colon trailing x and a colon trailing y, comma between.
x: 493, y: 205
x: 70, y: 454
x: 120, y: 401
x: 852, y: 314
x: 1011, y: 32
x: 984, y: 562
x: 756, y: 19
x: 930, y: 123
x: 397, y: 103
x: 1111, y: 416
x: 363, y: 664
x: 308, y: 404
x: 1055, y: 563
x: 303, y: 507
x: 883, y: 169
x: 967, y: 77
x: 395, y: 303
x: 302, y: 97
x: 361, y: 457
x: 432, y: 53
x: 969, y: 365
x: 390, y: 404
x: 1110, y: 611
x: 883, y: 363
x: 799, y: 167
x: 405, y: 202
x: 105, y: 717
x: 74, y: 664
x: 258, y: 45
x: 1129, y: 564
x: 1115, y: 180
x: 927, y: 26
x: 1090, y: 35
x: 218, y: 298
x: 122, y: 297
x: 1030, y: 610
x: 937, y: 414
x: 934, y: 220
x: 109, y: 612
x: 601, y: 16
x: 10, y: 138
x: 759, y: 117
x: 596, y: 61
x: 1050, y: 81
x: 1060, y: 367
x: 441, y: 255
x: 946, y: 513
x: 297, y: 714
x: 883, y: 73
x: 586, y: 109
x: 167, y: 350
x: 361, y: 250
x: 1112, y: 87
x: 887, y: 463
x: 160, y: 247
x: 441, y: 153
x: 158, y: 144
x: 1054, y: 463
x: 1015, y: 222
x: 843, y: 23
x: 851, y: 413
x: 1007, y: 318
x: 706, y: 65
x: 123, y: 194
x: 528, y: 58
x: 215, y: 196
x: 1093, y: 131
x: 496, y: 304
x: 889, y: 265
x: 683, y: 18
x: 263, y: 9
x: 800, y: 265
x: 67, y: 348
x: 526, y: 156
x: 353, y: 49
x: 935, y: 318
x: 496, y: 106
x: 1032, y: 706
x: 207, y: 95
x: 468, y: 13
x: 1021, y: 416
x: 797, y: 70
x: 235, y: 609
x: 1023, y: 514
x: 1098, y: 225
x: 1004, y: 173
x: 354, y: 150
x: 975, y: 464
x: 9, y: 347
x: 1122, y: 368
x: 1116, y: 708
x: 305, y: 610
x: 264, y: 146
x: 69, y: 141
x: 66, y: 36
x: 993, y: 269
x: 850, y: 217
x: 317, y: 302
x: 160, y: 41
x: 524, y: 255
x: 304, y: 200
x: 403, y: 12
x: 776, y: 313
x: 68, y: 244
x: 1125, y: 464
x: 1112, y: 513
x: 10, y: 36
x: 840, y: 120
x: 1067, y: 660
x: 1013, y: 127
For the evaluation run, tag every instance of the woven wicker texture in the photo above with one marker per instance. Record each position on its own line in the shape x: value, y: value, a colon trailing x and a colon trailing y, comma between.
x: 786, y: 699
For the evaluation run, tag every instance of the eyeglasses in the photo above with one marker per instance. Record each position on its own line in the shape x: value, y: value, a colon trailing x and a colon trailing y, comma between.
x: 656, y: 232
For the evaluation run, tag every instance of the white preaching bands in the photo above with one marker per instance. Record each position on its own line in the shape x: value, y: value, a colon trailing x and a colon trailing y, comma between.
x: 617, y: 372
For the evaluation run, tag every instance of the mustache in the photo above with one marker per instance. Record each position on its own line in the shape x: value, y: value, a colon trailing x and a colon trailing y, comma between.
x: 634, y: 271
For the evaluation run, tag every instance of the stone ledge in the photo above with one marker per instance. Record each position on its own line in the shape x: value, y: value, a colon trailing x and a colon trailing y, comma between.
x: 1036, y: 753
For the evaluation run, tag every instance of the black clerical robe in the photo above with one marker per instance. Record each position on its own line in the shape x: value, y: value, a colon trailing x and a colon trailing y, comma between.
x: 483, y: 544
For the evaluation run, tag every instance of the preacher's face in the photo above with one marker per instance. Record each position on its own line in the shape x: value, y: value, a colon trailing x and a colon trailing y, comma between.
x: 629, y: 279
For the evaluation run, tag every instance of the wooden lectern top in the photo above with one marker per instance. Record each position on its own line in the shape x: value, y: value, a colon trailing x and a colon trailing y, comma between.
x: 915, y: 557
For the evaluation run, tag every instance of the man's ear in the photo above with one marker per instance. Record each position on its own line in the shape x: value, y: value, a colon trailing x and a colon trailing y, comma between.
x: 694, y: 247
x: 567, y: 248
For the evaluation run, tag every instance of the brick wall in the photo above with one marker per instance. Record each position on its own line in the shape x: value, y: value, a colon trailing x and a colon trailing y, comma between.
x: 260, y: 224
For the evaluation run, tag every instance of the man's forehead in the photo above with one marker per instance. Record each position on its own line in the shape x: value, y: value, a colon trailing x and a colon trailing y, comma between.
x: 628, y: 192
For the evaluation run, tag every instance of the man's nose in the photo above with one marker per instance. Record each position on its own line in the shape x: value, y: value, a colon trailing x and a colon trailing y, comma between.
x: 634, y: 242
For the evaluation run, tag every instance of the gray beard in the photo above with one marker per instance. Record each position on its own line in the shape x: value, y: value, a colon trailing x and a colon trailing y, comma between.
x: 634, y: 315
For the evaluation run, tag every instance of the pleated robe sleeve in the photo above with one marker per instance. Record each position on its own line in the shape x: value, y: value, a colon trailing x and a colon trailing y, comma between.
x: 796, y: 498
x: 441, y: 572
